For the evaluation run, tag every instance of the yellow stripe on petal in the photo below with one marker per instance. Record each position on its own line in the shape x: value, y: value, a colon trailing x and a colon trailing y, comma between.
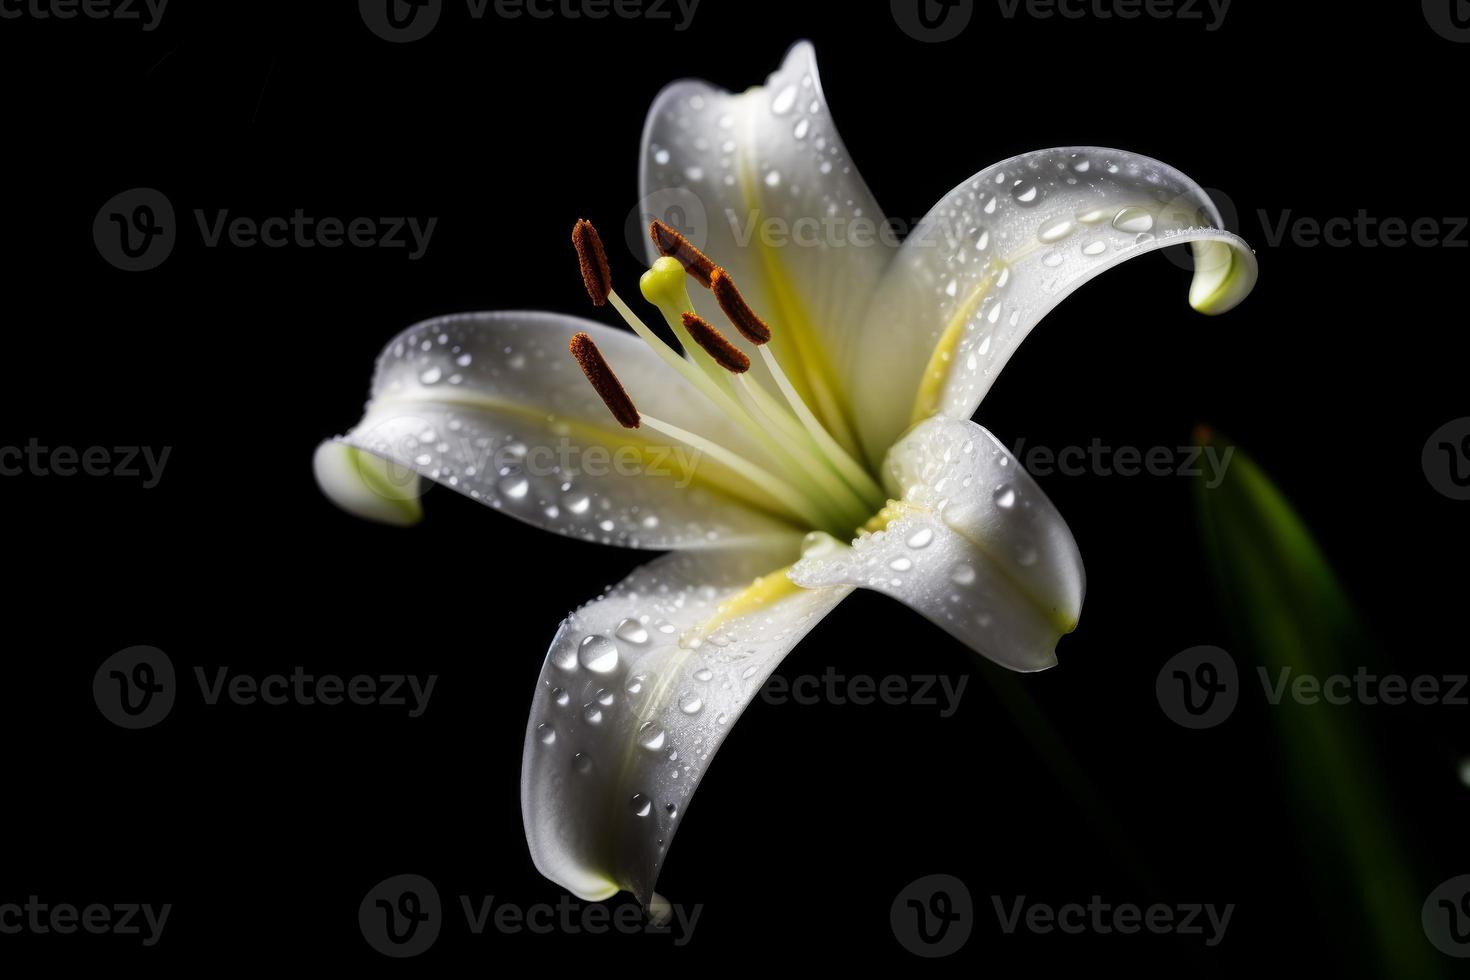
x: 936, y: 373
x: 764, y: 591
x: 794, y: 332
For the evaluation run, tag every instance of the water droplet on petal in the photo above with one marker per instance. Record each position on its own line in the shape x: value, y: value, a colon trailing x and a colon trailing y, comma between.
x: 1005, y: 498
x: 962, y: 575
x: 564, y: 654
x: 921, y: 538
x: 631, y: 631
x: 514, y: 487
x: 598, y: 654
x: 1055, y: 230
x: 642, y: 806
x: 651, y: 736
x: 784, y: 100
x: 1133, y: 220
x: 546, y: 733
x: 1025, y: 194
x: 690, y: 704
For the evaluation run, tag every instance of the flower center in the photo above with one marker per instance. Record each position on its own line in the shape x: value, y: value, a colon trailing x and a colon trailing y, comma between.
x: 806, y: 474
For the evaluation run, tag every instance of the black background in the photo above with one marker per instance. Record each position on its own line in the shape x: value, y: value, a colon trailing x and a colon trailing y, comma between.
x: 265, y: 826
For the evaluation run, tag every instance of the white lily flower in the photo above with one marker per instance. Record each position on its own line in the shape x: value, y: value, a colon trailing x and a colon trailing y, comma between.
x: 846, y: 458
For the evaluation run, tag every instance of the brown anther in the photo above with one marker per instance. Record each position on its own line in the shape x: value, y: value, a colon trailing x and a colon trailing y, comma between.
x: 604, y: 382
x: 726, y: 354
x: 670, y: 243
x: 751, y: 327
x: 596, y: 274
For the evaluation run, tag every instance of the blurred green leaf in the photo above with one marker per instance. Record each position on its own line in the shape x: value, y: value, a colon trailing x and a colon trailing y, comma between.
x: 1281, y: 595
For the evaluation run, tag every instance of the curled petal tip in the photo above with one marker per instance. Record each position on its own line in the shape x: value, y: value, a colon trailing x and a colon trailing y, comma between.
x: 660, y: 910
x: 366, y: 485
x: 1224, y: 275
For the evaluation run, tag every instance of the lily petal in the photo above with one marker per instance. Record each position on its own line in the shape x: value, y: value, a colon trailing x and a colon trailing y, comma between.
x: 973, y: 545
x: 1004, y: 248
x: 493, y: 406
x: 767, y: 190
x: 638, y: 691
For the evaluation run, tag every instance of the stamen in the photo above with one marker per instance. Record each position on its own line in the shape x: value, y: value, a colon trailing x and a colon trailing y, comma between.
x: 853, y: 473
x: 674, y: 245
x: 781, y: 492
x: 725, y: 354
x: 755, y: 330
x: 596, y: 273
x: 751, y: 326
x: 604, y: 382
x: 826, y: 488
